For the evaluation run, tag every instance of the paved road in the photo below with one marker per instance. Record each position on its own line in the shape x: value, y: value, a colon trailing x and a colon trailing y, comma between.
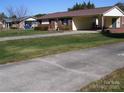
x: 62, y: 72
x: 45, y: 35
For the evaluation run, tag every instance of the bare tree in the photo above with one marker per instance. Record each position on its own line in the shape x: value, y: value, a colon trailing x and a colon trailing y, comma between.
x: 18, y: 12
x: 11, y: 11
x: 21, y: 11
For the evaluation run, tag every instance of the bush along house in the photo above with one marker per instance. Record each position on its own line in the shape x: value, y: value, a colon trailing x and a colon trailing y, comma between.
x: 89, y: 19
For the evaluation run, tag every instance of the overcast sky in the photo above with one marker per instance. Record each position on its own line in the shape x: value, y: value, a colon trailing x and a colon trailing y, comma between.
x: 49, y: 6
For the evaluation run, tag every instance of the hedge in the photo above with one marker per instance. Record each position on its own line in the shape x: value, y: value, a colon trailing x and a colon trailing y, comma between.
x: 42, y: 28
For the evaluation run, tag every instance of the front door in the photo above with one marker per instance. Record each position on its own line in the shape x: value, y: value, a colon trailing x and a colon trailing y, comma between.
x: 114, y: 25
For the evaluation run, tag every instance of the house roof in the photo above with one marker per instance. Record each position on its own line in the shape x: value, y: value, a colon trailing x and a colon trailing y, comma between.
x: 26, y: 18
x: 85, y: 12
x: 9, y: 20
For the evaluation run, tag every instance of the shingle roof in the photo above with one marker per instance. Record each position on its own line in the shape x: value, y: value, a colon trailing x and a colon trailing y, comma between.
x: 85, y: 12
x: 9, y: 20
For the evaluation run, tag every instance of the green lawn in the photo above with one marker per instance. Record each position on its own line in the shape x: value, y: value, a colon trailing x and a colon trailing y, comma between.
x: 13, y: 51
x: 20, y: 32
x: 110, y: 83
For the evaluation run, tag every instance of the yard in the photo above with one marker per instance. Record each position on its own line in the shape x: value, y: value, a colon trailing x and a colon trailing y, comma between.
x: 110, y: 83
x: 17, y: 50
x: 20, y: 32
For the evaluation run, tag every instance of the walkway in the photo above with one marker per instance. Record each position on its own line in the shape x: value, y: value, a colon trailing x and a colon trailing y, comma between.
x: 44, y: 35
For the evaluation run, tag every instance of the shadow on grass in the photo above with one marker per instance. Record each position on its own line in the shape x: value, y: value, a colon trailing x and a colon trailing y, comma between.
x: 112, y: 35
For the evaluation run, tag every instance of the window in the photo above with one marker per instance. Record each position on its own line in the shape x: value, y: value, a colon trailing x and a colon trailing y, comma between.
x: 65, y: 21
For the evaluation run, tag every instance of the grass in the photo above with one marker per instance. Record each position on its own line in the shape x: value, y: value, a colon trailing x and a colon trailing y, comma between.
x: 20, y: 32
x: 13, y: 51
x: 110, y: 83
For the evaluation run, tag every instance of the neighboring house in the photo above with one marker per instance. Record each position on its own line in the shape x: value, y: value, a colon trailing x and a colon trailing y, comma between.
x: 20, y: 23
x: 10, y: 23
x: 88, y: 19
x: 28, y: 23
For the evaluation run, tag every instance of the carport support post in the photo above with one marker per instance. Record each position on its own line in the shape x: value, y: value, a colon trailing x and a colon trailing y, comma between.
x: 102, y: 23
x: 57, y: 21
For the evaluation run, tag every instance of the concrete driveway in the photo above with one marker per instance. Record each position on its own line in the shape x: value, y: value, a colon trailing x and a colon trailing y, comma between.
x: 62, y: 72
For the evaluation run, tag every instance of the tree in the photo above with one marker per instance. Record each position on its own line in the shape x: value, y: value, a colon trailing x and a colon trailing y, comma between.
x: 14, y: 17
x: 75, y: 7
x: 83, y: 5
x: 18, y: 12
x: 39, y: 15
x: 21, y: 12
x: 90, y: 5
x: 120, y: 5
x: 2, y: 16
x: 10, y: 11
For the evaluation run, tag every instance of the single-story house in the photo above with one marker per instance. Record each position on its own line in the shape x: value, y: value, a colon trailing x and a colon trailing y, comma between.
x: 20, y: 23
x: 88, y: 19
x: 10, y: 23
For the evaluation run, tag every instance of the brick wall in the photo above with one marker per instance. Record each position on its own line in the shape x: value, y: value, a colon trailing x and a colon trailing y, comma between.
x: 122, y: 22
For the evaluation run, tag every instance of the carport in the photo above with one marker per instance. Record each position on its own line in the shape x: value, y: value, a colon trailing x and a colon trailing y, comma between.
x: 110, y: 18
x: 85, y: 23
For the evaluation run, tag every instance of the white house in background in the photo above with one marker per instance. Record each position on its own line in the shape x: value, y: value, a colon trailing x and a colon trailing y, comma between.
x: 88, y: 19
x: 28, y: 23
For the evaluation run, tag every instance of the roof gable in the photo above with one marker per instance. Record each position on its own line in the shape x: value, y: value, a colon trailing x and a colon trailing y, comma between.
x: 30, y: 19
x: 115, y: 11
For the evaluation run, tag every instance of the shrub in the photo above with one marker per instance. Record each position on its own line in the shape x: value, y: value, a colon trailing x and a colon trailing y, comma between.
x: 13, y: 28
x: 64, y: 27
x: 42, y: 27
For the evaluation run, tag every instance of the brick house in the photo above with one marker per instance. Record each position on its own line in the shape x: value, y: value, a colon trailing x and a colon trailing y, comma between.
x: 89, y: 19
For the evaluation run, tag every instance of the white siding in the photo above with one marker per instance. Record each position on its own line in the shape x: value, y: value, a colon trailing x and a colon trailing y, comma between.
x: 45, y: 21
x: 114, y: 12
